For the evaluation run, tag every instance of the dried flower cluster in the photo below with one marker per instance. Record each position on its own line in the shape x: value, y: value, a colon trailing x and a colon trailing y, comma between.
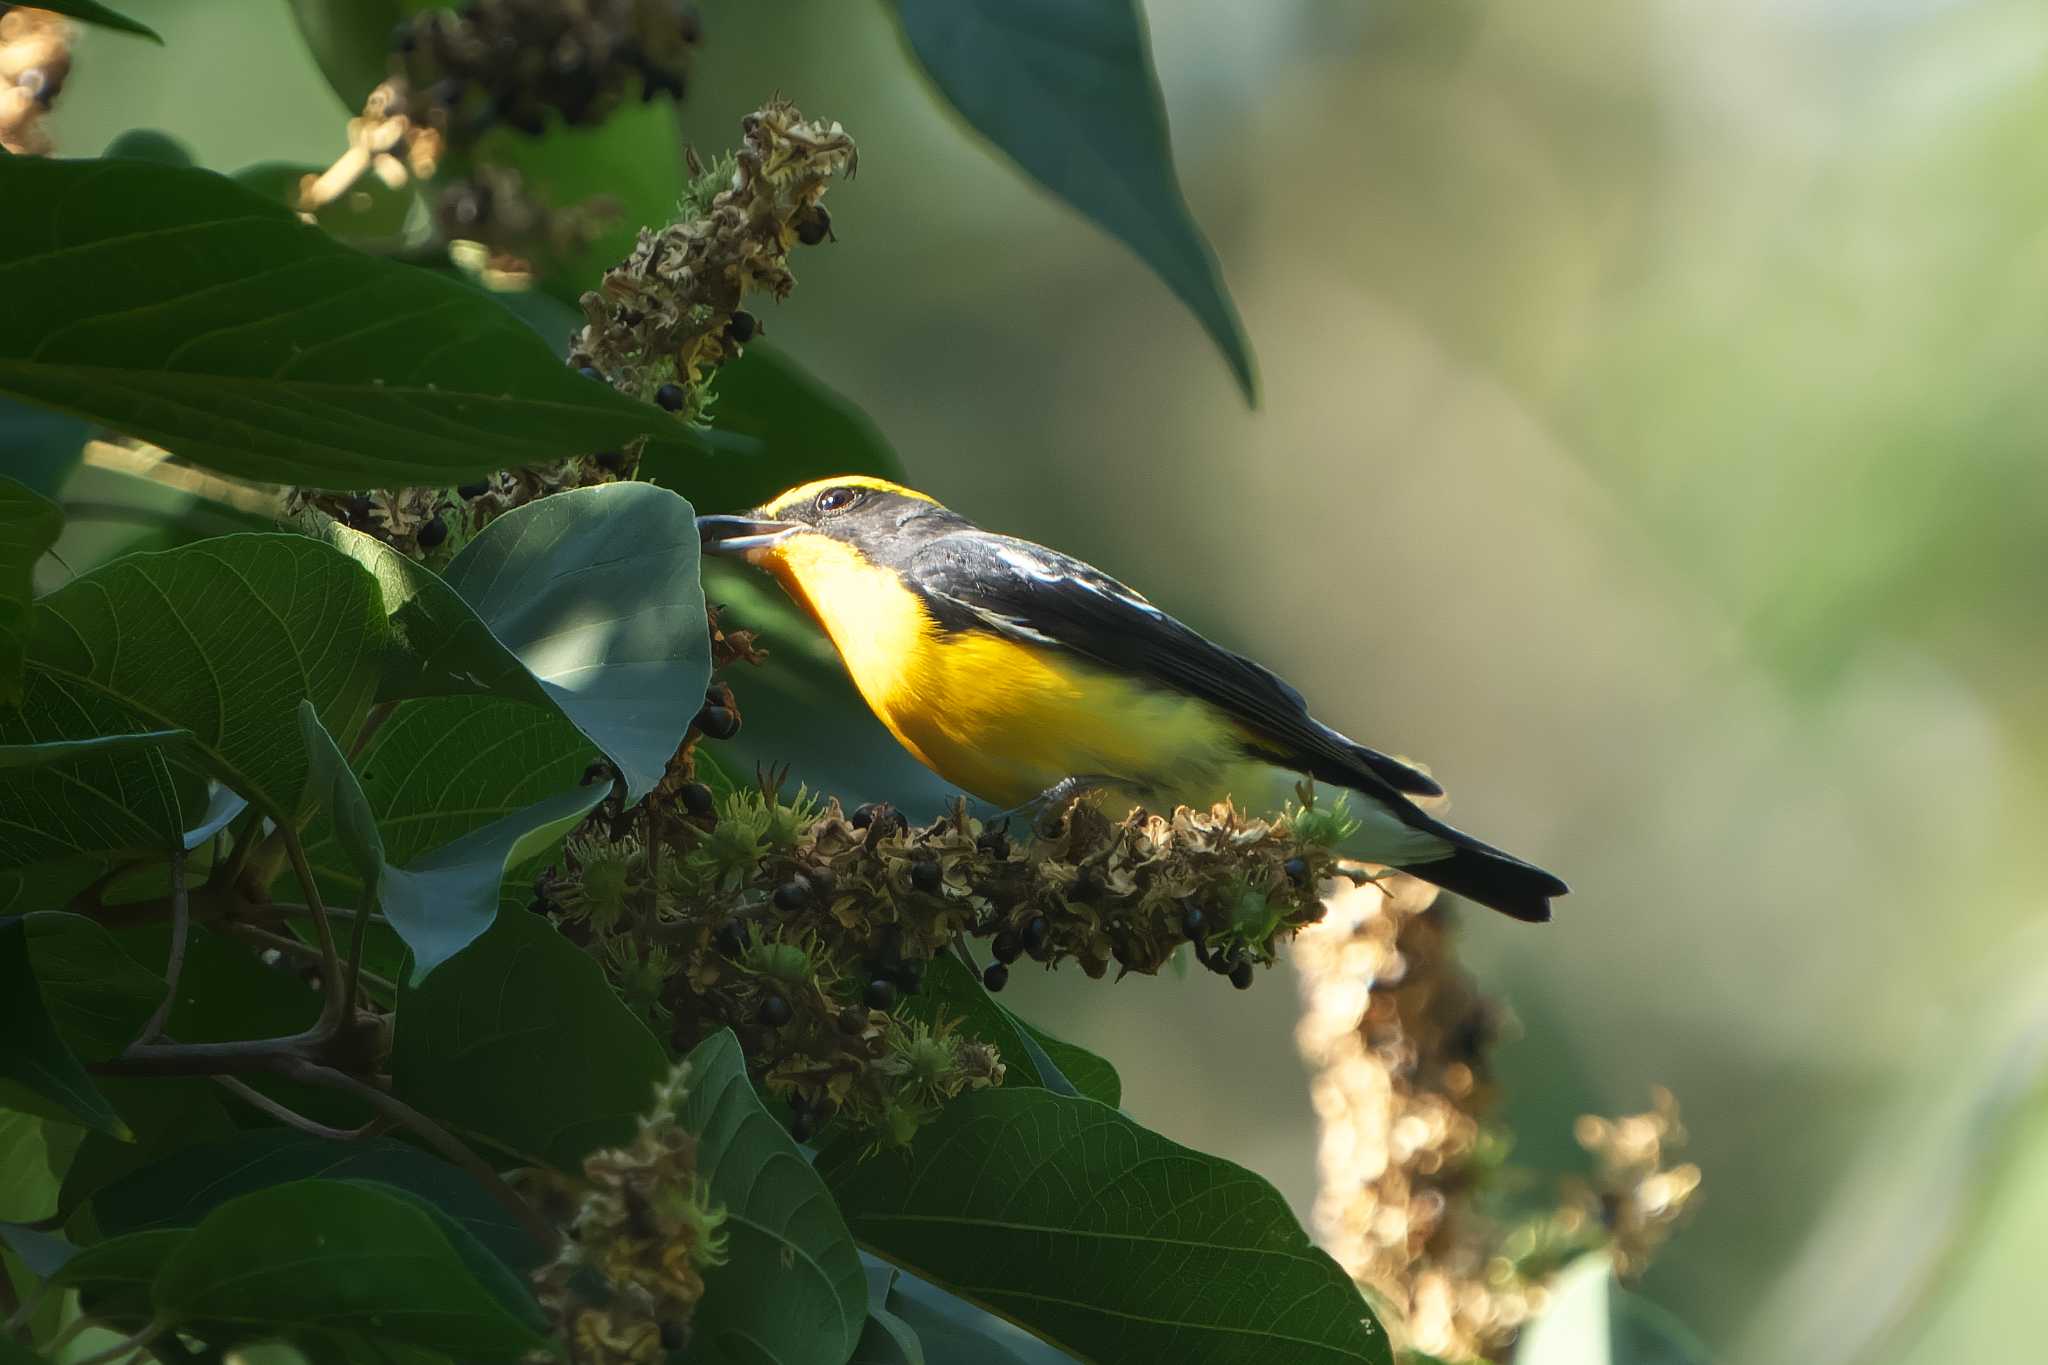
x: 1413, y: 1174
x: 804, y: 927
x: 670, y: 313
x: 431, y: 524
x: 641, y: 1233
x: 35, y: 58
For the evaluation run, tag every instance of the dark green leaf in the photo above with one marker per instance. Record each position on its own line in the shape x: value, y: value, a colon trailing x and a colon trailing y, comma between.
x: 113, y: 1278
x: 148, y: 144
x: 806, y: 431
x: 166, y: 1115
x: 1066, y: 89
x: 29, y: 525
x: 351, y: 40
x: 791, y: 1289
x: 596, y: 591
x: 955, y: 1332
x: 1104, y: 1239
x: 224, y: 637
x: 350, y: 820
x: 41, y: 1253
x: 38, y: 1072
x: 337, y: 1256
x: 492, y: 1274
x: 1089, y: 1074
x: 1592, y: 1321
x: 28, y: 1191
x: 184, y: 1186
x: 96, y: 994
x: 524, y: 1014
x: 242, y: 338
x: 92, y: 12
x: 39, y: 448
x: 370, y: 215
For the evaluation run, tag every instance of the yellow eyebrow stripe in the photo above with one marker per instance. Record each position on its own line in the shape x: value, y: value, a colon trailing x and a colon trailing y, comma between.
x: 804, y: 493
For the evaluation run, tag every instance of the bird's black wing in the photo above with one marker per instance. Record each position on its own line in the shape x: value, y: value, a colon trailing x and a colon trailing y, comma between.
x: 976, y: 580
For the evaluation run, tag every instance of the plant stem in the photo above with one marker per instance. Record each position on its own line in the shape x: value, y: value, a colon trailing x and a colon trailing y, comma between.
x: 437, y: 1137
x: 290, y: 1117
x: 330, y: 965
x: 355, y: 959
x: 307, y: 951
x: 181, y: 925
x: 372, y: 723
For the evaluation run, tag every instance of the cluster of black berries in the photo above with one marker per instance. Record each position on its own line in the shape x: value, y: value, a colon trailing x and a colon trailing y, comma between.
x: 513, y: 62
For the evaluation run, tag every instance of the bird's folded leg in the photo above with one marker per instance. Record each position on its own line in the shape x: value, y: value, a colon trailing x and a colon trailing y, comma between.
x: 1053, y: 802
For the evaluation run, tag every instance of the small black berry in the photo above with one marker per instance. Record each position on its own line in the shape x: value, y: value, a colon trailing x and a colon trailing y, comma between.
x: 1035, y: 933
x: 671, y: 397
x: 996, y: 976
x: 863, y: 816
x: 1007, y: 946
x: 1296, y: 870
x: 472, y: 490
x: 881, y: 994
x: 802, y: 1122
x: 611, y: 460
x: 717, y: 722
x: 792, y: 895
x: 742, y: 328
x: 732, y: 938
x: 813, y: 225
x: 1191, y: 922
x: 925, y: 876
x: 775, y: 1012
x: 592, y: 372
x: 433, y: 533
x: 1241, y: 975
x: 1223, y: 964
x: 359, y: 510
x: 697, y: 799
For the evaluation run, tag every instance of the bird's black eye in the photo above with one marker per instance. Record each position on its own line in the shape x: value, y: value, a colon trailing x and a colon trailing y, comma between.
x: 837, y: 499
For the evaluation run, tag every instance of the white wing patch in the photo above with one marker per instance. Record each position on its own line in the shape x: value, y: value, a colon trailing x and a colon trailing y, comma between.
x: 1057, y: 570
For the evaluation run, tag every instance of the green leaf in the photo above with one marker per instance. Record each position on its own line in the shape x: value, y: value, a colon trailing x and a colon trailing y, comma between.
x: 805, y: 431
x: 92, y: 12
x: 886, y: 1339
x: 337, y: 1256
x: 955, y: 1332
x: 1106, y: 1240
x: 1593, y: 1321
x: 166, y: 1115
x: 39, y: 448
x: 38, y: 1072
x: 1090, y: 1075
x: 351, y: 40
x: 183, y: 308
x: 113, y: 1278
x: 951, y: 991
x: 791, y: 1288
x: 596, y: 591
x: 87, y: 778
x: 349, y: 818
x: 28, y: 1192
x: 185, y: 1185
x: 95, y: 993
x: 524, y: 1014
x: 1066, y: 89
x: 149, y: 144
x: 224, y: 638
x: 29, y: 526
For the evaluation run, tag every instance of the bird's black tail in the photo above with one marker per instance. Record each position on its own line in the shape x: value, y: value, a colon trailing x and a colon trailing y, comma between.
x: 1480, y: 872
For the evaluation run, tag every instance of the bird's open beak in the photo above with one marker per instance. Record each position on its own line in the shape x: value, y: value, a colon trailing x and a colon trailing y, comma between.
x: 741, y: 535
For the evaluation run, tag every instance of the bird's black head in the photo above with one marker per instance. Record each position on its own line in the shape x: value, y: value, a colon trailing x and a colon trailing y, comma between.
x: 881, y: 519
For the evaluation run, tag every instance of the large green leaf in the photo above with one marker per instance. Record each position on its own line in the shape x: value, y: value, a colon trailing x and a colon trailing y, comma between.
x: 1066, y: 89
x: 521, y: 1039
x: 1591, y: 1320
x: 351, y: 40
x: 371, y: 215
x: 92, y: 12
x: 87, y: 777
x: 804, y: 430
x: 29, y: 525
x: 114, y: 1277
x: 1102, y: 1238
x: 28, y: 1191
x: 224, y: 638
x: 953, y: 1331
x: 96, y: 994
x: 791, y: 1290
x: 596, y: 591
x: 184, y: 1186
x: 330, y: 1256
x: 951, y: 991
x: 183, y: 308
x: 1089, y: 1074
x: 38, y: 1072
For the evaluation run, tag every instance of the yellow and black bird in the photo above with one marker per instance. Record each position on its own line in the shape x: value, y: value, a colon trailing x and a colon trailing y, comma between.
x: 1014, y: 672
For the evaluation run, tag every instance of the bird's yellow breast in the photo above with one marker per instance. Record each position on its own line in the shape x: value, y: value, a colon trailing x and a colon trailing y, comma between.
x: 1000, y: 718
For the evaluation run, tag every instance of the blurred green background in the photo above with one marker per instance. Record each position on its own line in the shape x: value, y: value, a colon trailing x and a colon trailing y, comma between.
x: 1651, y: 441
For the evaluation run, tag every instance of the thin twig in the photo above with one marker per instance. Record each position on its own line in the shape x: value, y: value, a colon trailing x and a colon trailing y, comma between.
x: 436, y: 1137
x: 291, y: 910
x: 355, y: 959
x: 181, y: 925
x: 299, y: 949
x: 293, y: 1118
x: 330, y: 964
